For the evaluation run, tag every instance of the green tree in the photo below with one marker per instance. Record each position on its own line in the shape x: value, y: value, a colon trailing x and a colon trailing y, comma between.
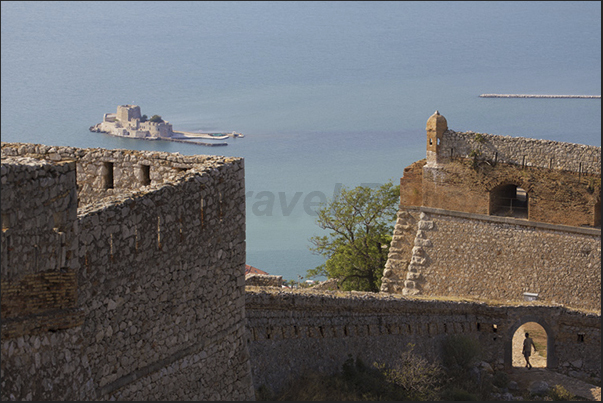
x: 144, y: 118
x: 156, y: 119
x: 360, y: 222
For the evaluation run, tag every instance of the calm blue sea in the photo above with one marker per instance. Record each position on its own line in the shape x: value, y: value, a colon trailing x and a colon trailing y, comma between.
x: 326, y: 93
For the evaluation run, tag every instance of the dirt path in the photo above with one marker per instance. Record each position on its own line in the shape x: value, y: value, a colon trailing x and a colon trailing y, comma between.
x: 524, y: 377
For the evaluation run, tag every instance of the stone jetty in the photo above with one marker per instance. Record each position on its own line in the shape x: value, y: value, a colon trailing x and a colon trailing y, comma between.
x: 538, y: 96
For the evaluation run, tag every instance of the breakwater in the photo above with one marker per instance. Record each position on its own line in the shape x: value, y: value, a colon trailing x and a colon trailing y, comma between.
x: 538, y: 96
x: 201, y: 143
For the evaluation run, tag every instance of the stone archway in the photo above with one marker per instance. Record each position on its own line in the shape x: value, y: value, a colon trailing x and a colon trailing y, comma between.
x: 538, y: 335
x: 551, y: 358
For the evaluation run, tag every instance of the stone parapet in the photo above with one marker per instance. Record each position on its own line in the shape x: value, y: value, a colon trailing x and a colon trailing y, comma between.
x: 522, y: 151
x: 293, y: 332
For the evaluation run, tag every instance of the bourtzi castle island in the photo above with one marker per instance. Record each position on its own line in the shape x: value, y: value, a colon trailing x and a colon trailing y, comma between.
x: 128, y: 122
x: 123, y: 272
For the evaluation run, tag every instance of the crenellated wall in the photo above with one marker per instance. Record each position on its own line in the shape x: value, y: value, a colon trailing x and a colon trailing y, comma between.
x: 154, y: 275
x: 291, y: 333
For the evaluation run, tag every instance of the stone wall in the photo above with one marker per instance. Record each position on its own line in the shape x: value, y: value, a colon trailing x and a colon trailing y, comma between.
x: 456, y: 254
x: 41, y: 320
x: 522, y: 151
x: 553, y: 196
x: 291, y: 333
x: 39, y: 243
x: 157, y: 278
x: 128, y: 170
x: 494, y: 216
x: 263, y: 280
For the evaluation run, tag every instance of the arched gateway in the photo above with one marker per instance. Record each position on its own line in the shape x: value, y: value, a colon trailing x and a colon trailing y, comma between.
x: 551, y: 358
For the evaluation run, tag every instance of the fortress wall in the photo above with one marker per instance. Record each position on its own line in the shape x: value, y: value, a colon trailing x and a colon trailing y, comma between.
x: 157, y: 287
x: 292, y: 333
x: 39, y: 203
x: 400, y: 251
x: 458, y: 254
x: 41, y: 322
x: 126, y: 166
x: 556, y: 197
x: 170, y: 294
x: 522, y: 151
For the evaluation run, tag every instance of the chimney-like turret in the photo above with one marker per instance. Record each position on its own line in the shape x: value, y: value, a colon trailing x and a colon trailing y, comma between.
x: 436, y: 126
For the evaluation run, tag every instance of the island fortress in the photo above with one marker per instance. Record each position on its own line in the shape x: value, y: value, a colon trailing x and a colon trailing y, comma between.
x: 128, y: 122
x: 123, y: 272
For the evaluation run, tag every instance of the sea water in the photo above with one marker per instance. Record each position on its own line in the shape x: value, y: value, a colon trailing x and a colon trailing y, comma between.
x: 327, y: 94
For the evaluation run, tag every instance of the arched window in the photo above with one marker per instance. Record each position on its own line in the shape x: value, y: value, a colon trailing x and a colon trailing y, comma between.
x: 509, y: 200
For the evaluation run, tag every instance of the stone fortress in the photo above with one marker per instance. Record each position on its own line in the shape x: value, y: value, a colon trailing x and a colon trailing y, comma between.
x: 123, y: 271
x: 127, y: 122
x: 499, y: 217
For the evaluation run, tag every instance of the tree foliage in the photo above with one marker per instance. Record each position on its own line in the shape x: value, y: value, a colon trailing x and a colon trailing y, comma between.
x: 156, y: 119
x: 360, y: 222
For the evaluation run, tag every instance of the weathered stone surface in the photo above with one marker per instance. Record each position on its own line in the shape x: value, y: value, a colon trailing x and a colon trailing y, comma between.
x: 137, y: 293
x: 263, y: 280
x: 473, y: 234
x: 290, y: 331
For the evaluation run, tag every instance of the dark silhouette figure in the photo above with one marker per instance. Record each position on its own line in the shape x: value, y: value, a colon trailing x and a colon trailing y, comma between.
x: 527, y: 350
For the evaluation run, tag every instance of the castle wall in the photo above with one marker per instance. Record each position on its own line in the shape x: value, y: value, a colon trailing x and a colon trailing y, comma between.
x: 553, y: 196
x: 41, y: 321
x: 522, y: 151
x: 496, y: 258
x: 159, y: 285
x: 292, y: 333
x: 39, y: 202
x: 463, y: 231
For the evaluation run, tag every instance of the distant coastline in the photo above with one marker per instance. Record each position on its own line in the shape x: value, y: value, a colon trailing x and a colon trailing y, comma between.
x: 538, y: 96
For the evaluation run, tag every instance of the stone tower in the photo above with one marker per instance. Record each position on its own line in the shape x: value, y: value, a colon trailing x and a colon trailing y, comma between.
x: 125, y: 113
x: 436, y: 126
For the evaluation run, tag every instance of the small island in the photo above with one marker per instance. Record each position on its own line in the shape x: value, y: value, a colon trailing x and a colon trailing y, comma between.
x: 128, y: 122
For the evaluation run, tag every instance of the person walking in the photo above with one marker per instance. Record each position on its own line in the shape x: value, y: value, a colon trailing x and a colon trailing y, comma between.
x: 527, y: 350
